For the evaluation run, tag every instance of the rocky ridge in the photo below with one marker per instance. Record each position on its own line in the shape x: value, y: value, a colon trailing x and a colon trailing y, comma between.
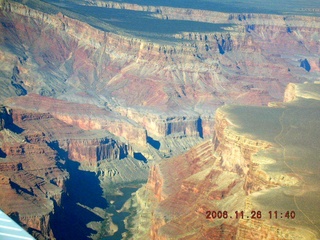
x: 126, y: 95
x: 31, y: 179
x: 232, y: 173
x: 35, y: 150
x: 202, y: 73
x: 85, y: 116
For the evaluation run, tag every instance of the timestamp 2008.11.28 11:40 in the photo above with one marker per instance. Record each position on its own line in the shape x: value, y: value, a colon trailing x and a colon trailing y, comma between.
x: 250, y: 215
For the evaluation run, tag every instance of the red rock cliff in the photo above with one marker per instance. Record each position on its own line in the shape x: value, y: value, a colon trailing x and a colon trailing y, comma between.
x: 30, y: 180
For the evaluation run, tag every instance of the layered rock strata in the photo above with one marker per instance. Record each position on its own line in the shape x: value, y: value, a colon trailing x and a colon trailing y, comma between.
x: 185, y: 80
x: 85, y: 116
x: 172, y: 87
x: 251, y: 165
x: 31, y: 180
x: 34, y: 148
x: 87, y: 147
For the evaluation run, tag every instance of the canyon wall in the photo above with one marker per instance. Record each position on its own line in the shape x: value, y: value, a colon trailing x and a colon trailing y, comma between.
x: 5, y: 117
x: 186, y: 78
x: 30, y: 181
x: 91, y: 151
x: 160, y: 125
x: 248, y: 166
x: 84, y: 89
x: 85, y: 116
x: 36, y: 149
x: 88, y: 146
x: 166, y: 12
x: 297, y: 91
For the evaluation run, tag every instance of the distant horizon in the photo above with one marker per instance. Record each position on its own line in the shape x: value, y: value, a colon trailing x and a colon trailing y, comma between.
x: 310, y: 8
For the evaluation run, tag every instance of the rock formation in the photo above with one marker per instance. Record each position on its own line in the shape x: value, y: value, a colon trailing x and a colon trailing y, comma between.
x: 96, y: 92
x: 5, y: 117
x: 31, y: 179
x: 33, y: 171
x: 85, y: 116
x: 250, y: 165
x: 156, y: 80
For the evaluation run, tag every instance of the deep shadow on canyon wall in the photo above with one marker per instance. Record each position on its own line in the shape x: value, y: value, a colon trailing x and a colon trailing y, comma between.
x: 70, y: 218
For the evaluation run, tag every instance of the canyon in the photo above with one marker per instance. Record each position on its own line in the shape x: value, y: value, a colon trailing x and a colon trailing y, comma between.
x: 253, y: 164
x: 94, y: 102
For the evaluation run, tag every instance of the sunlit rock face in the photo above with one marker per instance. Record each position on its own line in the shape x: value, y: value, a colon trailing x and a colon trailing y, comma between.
x: 85, y: 146
x: 168, y: 86
x: 31, y: 180
x: 34, y: 149
x: 85, y: 116
x: 251, y: 164
x: 77, y: 87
